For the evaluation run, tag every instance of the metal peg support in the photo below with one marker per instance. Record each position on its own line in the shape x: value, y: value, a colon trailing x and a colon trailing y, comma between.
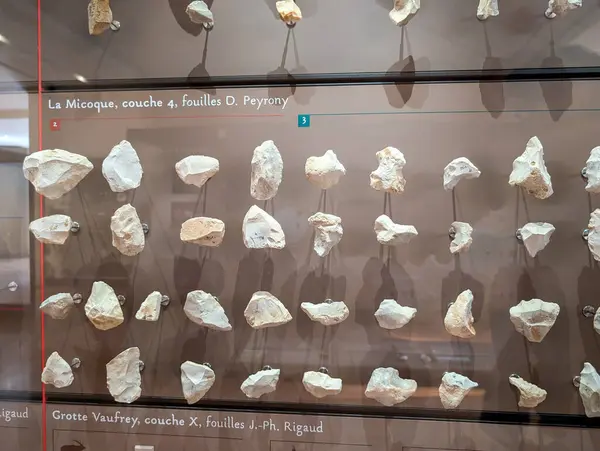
x: 585, y: 234
x: 425, y: 358
x: 519, y: 235
x: 452, y: 233
x: 291, y: 24
x: 323, y: 370
x: 115, y: 25
x: 588, y: 311
x: 12, y: 286
x: 577, y: 381
x: 75, y: 363
x: 145, y: 228
x: 121, y: 299
x: 267, y: 368
x: 207, y: 365
x: 75, y: 227
x: 584, y: 173
x: 142, y: 365
x: 166, y: 300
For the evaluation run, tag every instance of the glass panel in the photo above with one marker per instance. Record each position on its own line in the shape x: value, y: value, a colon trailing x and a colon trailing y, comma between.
x: 490, y: 123
x: 439, y: 122
x: 18, y: 41
x: 160, y: 41
x: 20, y: 422
x: 17, y: 314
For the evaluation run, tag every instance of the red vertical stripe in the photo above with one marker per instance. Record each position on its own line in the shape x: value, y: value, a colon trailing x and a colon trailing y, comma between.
x: 41, y: 201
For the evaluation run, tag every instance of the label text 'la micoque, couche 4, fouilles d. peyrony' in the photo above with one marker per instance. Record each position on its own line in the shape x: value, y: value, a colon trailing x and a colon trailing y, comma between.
x: 186, y: 101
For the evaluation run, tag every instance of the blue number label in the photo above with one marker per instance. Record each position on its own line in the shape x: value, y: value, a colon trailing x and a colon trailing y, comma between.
x: 304, y: 120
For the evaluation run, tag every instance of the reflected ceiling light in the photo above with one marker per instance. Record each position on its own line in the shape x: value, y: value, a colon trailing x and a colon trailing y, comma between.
x: 4, y: 39
x: 80, y: 78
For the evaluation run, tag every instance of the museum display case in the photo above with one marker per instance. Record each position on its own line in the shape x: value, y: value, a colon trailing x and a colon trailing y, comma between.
x: 220, y: 233
x: 545, y: 344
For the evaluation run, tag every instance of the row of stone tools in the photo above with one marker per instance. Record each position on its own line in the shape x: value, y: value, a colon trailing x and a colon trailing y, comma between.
x: 100, y: 16
x: 124, y: 382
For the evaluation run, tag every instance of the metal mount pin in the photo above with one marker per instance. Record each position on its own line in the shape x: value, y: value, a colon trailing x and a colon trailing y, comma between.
x: 584, y: 173
x: 206, y: 364
x: 208, y: 25
x: 166, y: 300
x: 588, y: 311
x: 515, y: 375
x: 121, y: 299
x: 452, y: 233
x: 585, y: 234
x: 75, y: 363
x: 77, y: 298
x: 426, y: 358
x: 450, y: 304
x: 323, y: 370
x: 12, y: 286
x: 75, y: 227
x: 145, y: 228
x: 142, y: 365
x: 267, y: 368
x: 519, y: 235
x: 115, y: 25
x: 291, y: 24
x: 577, y: 381
x: 328, y: 301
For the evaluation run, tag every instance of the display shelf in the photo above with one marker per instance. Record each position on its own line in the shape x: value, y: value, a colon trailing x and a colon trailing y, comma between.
x: 435, y: 124
x: 443, y: 36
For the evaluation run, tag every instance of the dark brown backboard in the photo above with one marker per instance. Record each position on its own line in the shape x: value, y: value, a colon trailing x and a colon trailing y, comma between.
x: 431, y: 124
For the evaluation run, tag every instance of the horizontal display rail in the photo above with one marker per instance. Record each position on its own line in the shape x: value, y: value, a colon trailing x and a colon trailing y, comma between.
x: 457, y: 76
